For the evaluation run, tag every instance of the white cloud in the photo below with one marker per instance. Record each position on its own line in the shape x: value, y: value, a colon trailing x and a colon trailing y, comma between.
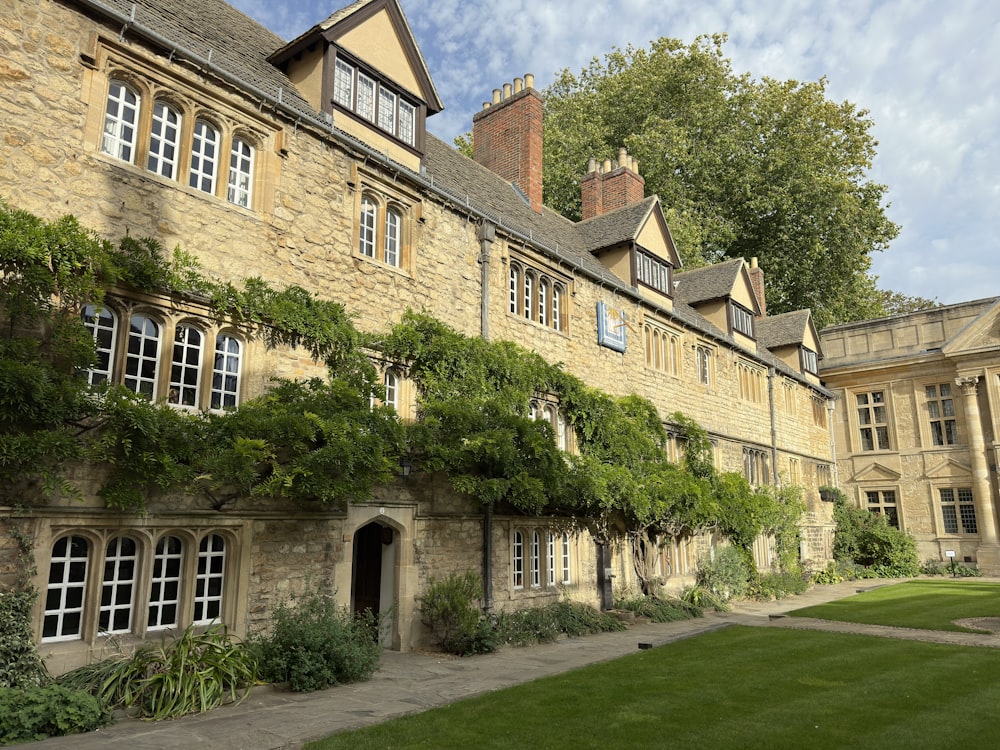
x: 926, y: 70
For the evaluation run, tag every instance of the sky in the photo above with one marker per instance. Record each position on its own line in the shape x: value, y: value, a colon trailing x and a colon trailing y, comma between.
x: 928, y: 71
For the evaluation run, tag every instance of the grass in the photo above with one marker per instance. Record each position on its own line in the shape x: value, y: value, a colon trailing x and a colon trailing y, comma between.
x: 930, y: 605
x: 740, y: 687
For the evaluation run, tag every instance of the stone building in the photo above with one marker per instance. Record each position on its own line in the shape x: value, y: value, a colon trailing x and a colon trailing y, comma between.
x: 917, y: 424
x: 126, y: 114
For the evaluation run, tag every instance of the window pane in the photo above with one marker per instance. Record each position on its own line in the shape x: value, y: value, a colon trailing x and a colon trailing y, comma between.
x: 118, y: 586
x: 387, y: 110
x: 366, y: 97
x: 204, y: 157
x: 103, y: 327
x: 120, y: 118
x: 240, y: 173
x: 369, y: 218
x: 64, y: 596
x: 392, y: 227
x: 343, y: 84
x: 209, y: 579
x: 163, y: 141
x: 185, y: 371
x: 140, y: 363
x: 226, y: 373
x: 165, y: 584
x: 407, y: 122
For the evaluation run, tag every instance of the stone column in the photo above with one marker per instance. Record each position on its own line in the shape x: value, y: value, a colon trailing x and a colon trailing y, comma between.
x: 989, y: 546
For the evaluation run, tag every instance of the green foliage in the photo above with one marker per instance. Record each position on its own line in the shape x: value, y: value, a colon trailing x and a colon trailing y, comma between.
x: 657, y: 609
x: 192, y: 673
x: 450, y: 608
x: 704, y: 598
x: 525, y: 627
x: 777, y: 585
x: 744, y: 167
x: 727, y: 575
x: 316, y: 643
x: 20, y: 664
x: 866, y: 539
x: 956, y: 570
x: 34, y: 713
x: 832, y: 573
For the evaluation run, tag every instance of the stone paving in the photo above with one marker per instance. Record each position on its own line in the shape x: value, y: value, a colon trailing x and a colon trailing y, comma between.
x: 410, y: 682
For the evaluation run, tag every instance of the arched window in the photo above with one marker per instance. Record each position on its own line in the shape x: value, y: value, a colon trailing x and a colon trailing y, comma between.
x: 515, y: 286
x: 557, y: 305
x: 393, y: 224
x: 392, y: 389
x: 164, y: 141
x: 142, y: 356
x: 562, y: 427
x: 565, y: 559
x: 209, y: 579
x: 164, y: 592
x: 536, y: 554
x: 240, y: 186
x: 103, y: 326
x: 517, y: 561
x: 204, y: 157
x: 118, y: 586
x: 529, y: 293
x: 120, y: 118
x: 369, y: 221
x: 226, y: 373
x: 543, y: 302
x: 65, y: 594
x: 550, y: 559
x: 185, y: 368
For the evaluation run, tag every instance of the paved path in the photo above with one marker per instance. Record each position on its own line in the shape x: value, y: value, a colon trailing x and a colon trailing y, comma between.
x: 410, y: 682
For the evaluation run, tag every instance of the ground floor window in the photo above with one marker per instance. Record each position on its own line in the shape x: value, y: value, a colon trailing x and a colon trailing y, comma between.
x: 958, y: 510
x: 102, y: 582
x: 546, y: 551
x: 884, y: 502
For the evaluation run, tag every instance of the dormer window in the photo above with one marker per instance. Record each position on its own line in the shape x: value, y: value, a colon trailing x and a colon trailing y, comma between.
x: 653, y: 272
x: 809, y: 361
x: 374, y: 102
x: 741, y: 319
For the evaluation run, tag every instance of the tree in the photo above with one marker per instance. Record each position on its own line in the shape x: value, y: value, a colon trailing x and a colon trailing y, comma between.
x: 744, y: 168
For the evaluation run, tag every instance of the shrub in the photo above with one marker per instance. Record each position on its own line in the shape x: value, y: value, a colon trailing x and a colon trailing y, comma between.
x: 777, y: 585
x: 192, y: 673
x: 35, y: 713
x: 659, y: 610
x: 865, y: 538
x: 450, y: 608
x: 316, y: 644
x: 727, y: 576
x: 831, y: 574
x: 544, y: 624
x: 20, y: 664
x: 703, y: 598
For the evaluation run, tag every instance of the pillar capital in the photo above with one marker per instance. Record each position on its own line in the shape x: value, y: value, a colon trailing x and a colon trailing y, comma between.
x: 968, y: 384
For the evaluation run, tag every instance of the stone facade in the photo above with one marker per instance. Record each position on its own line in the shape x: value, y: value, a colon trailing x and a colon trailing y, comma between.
x: 464, y: 244
x: 916, y: 426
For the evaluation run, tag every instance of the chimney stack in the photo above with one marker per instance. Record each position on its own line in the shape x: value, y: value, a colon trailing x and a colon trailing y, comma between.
x: 507, y: 137
x: 757, y: 282
x: 611, y: 185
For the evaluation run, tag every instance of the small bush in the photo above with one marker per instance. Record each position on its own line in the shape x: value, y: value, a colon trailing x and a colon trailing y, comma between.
x: 20, y: 664
x: 777, y: 585
x: 317, y: 644
x: 659, y: 610
x: 703, y: 598
x: 193, y: 673
x: 450, y: 608
x: 525, y: 627
x: 35, y: 713
x: 866, y: 539
x: 831, y: 574
x: 727, y: 576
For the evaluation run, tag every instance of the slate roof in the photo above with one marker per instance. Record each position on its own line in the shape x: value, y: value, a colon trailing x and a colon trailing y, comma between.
x: 218, y: 36
x: 786, y: 329
x: 708, y: 282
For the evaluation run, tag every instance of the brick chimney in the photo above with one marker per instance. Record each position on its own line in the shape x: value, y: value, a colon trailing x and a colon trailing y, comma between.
x: 757, y: 282
x: 611, y: 185
x: 507, y: 137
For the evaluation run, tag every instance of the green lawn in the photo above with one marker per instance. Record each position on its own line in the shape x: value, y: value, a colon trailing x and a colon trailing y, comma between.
x: 931, y: 605
x: 740, y: 687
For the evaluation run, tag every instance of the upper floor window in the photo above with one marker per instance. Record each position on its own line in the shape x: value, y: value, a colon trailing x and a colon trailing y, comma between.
x: 941, y: 410
x: 741, y: 319
x: 374, y: 101
x: 556, y: 418
x: 873, y: 421
x: 178, y: 144
x: 382, y: 229
x: 756, y: 466
x: 137, y: 359
x: 391, y: 383
x: 653, y: 272
x: 958, y: 510
x: 809, y: 361
x: 823, y: 475
x: 751, y: 382
x: 884, y: 502
x: 703, y: 360
x: 535, y: 296
x: 819, y: 411
x: 662, y: 347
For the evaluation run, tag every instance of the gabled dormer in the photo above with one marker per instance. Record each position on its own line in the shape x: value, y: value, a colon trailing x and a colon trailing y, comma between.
x: 362, y: 66
x: 792, y: 338
x: 725, y: 295
x: 634, y: 243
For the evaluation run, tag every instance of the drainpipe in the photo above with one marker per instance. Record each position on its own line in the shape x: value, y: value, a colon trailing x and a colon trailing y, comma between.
x: 771, y: 374
x: 486, y: 235
x: 831, y: 404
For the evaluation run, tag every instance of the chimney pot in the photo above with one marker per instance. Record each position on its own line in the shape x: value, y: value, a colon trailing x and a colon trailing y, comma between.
x: 496, y: 96
x: 518, y: 85
x: 529, y: 80
x: 506, y: 91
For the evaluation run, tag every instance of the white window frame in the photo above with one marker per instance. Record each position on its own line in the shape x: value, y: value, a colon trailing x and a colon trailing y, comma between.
x: 118, y: 585
x: 204, y: 157
x: 71, y: 567
x: 121, y: 120
x: 566, y: 579
x: 226, y: 368
x: 239, y: 190
x: 550, y: 559
x: 393, y: 236
x: 164, y: 140
x: 166, y: 582
x: 210, y: 579
x: 96, y: 320
x: 343, y: 84
x: 703, y: 356
x: 517, y: 560
x: 185, y: 367
x: 535, y: 563
x: 387, y: 110
x: 138, y: 364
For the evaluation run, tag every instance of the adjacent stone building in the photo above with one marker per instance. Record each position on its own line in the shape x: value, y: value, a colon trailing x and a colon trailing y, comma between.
x: 308, y: 162
x: 917, y: 424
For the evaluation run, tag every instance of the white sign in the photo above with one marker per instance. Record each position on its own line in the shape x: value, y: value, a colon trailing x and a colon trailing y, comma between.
x: 949, y: 553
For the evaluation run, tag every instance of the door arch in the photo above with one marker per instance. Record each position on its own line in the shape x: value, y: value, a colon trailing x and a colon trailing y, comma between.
x: 373, y: 582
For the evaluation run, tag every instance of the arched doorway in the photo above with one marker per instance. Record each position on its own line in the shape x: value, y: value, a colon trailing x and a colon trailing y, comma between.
x: 373, y: 584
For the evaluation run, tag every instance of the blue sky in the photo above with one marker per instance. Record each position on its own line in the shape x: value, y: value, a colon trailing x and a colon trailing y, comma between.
x: 927, y: 70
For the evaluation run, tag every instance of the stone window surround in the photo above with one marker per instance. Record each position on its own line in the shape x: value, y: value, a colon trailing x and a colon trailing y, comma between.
x: 663, y: 347
x: 704, y: 364
x: 526, y: 283
x: 386, y: 195
x: 145, y: 532
x: 963, y: 510
x: 171, y: 84
x: 169, y: 317
x: 942, y: 430
x: 884, y: 500
x: 751, y: 381
x: 876, y: 397
x: 541, y: 559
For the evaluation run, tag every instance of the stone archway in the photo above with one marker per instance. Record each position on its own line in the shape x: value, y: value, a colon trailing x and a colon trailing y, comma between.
x: 374, y: 578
